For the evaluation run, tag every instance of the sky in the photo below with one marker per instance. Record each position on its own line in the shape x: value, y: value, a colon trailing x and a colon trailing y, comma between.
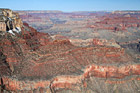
x: 71, y: 5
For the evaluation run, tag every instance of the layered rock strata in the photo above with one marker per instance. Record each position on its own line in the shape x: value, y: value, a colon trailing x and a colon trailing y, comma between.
x: 32, y: 61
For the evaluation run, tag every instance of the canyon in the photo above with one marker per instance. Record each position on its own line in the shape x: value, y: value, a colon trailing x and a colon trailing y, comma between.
x: 58, y: 57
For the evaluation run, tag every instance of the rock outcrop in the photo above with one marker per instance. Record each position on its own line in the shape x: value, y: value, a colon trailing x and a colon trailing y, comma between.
x: 10, y: 21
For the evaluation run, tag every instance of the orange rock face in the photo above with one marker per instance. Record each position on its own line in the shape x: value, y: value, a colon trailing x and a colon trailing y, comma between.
x: 111, y: 72
x: 75, y: 82
x: 15, y: 85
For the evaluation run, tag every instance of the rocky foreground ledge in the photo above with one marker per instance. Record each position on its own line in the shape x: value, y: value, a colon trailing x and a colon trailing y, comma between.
x: 10, y: 21
x: 32, y: 62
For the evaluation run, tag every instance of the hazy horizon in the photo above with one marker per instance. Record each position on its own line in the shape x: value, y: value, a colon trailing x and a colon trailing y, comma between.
x: 72, y: 5
x: 79, y: 11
